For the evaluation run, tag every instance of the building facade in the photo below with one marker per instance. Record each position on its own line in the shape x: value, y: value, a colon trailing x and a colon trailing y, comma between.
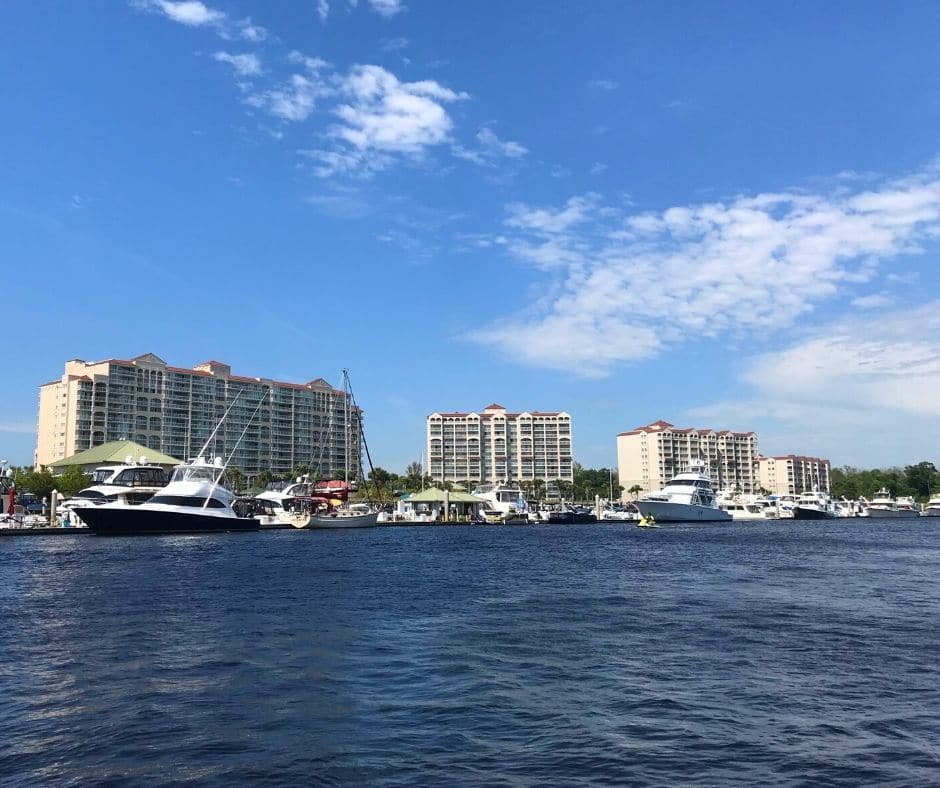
x: 269, y: 426
x: 498, y: 446
x: 792, y: 474
x: 648, y: 457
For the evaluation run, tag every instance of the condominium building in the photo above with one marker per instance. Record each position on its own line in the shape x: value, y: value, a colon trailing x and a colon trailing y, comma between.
x: 497, y: 446
x: 792, y: 474
x: 270, y: 425
x: 649, y: 456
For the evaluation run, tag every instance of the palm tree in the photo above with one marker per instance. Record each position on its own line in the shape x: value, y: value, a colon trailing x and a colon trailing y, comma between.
x: 635, y: 490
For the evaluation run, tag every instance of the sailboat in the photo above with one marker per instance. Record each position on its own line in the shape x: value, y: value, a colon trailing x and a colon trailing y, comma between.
x: 328, y: 504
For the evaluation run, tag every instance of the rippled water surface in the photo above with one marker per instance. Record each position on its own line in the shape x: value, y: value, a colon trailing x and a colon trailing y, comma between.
x: 757, y: 654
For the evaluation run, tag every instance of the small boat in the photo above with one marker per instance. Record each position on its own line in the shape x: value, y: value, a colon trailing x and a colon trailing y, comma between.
x: 572, y: 515
x: 687, y: 497
x: 195, y: 501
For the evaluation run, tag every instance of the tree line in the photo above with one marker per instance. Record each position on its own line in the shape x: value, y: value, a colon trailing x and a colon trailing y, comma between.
x: 919, y: 481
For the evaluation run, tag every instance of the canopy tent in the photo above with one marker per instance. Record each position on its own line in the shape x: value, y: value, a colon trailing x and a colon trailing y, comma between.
x: 437, y: 495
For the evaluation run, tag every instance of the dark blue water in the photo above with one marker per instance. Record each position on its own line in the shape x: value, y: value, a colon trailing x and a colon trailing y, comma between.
x: 751, y: 654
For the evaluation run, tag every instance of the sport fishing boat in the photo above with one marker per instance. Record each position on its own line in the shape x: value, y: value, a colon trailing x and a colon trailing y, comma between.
x: 883, y: 505
x: 195, y: 501
x: 687, y: 497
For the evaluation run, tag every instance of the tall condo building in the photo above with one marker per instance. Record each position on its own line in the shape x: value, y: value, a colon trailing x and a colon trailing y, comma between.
x: 792, y: 474
x: 499, y: 446
x: 650, y: 456
x: 271, y: 425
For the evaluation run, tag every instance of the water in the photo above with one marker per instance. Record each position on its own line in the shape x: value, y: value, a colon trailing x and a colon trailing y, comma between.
x: 752, y: 654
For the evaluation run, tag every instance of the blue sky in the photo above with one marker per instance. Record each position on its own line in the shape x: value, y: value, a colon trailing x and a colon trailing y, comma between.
x: 722, y: 215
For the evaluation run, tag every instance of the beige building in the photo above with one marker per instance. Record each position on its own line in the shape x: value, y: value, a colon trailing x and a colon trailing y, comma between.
x: 272, y: 425
x: 649, y: 456
x: 497, y: 446
x: 792, y: 474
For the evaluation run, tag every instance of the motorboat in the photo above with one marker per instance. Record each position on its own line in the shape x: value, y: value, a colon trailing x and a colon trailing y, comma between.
x: 814, y: 505
x: 618, y: 513
x: 130, y: 483
x: 572, y: 515
x: 196, y: 500
x: 932, y: 509
x: 687, y: 497
x: 883, y: 505
x: 742, y: 507
x: 504, y: 502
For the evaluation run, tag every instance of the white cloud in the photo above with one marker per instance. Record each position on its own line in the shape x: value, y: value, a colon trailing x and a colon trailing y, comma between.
x: 875, y: 301
x: 862, y: 387
x: 323, y: 9
x: 251, y: 32
x: 490, y: 150
x: 394, y: 44
x: 295, y: 99
x: 187, y: 12
x: 387, y: 8
x: 383, y: 117
x: 245, y: 65
x: 18, y: 427
x: 604, y: 84
x: 751, y: 263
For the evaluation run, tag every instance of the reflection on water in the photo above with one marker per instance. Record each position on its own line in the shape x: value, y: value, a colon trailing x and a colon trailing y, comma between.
x: 764, y: 653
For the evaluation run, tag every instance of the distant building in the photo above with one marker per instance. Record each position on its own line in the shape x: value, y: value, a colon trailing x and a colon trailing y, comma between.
x: 792, y: 474
x: 496, y: 445
x: 174, y: 411
x: 650, y: 456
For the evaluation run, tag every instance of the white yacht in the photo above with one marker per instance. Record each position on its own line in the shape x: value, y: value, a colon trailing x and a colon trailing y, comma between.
x: 743, y: 507
x: 814, y: 505
x: 883, y: 505
x: 504, y: 502
x: 932, y: 509
x: 130, y: 484
x: 195, y: 501
x: 688, y: 497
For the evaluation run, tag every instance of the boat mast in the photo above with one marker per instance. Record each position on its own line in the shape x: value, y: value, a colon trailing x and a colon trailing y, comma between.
x: 346, y: 427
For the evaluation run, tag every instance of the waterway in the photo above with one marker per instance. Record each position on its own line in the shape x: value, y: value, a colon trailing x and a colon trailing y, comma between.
x: 768, y: 653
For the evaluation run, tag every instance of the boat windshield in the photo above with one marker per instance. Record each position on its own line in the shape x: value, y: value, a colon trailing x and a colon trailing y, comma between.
x: 100, y: 475
x: 196, y: 473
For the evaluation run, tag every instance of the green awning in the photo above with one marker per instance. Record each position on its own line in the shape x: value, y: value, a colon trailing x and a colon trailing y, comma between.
x: 115, y: 452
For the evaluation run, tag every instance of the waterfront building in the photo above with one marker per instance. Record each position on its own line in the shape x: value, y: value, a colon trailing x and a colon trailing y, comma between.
x: 497, y: 446
x: 792, y: 474
x: 276, y: 426
x: 648, y: 457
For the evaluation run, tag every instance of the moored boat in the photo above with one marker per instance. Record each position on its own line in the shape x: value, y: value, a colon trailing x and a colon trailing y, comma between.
x: 814, y: 506
x: 932, y: 509
x: 687, y: 497
x: 195, y: 501
x: 883, y: 505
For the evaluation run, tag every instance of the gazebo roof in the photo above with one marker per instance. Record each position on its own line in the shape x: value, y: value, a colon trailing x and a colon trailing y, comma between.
x: 115, y: 452
x: 434, y: 494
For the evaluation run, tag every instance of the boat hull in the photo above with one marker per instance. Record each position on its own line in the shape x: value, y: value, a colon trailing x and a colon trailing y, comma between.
x: 571, y: 518
x: 340, y: 521
x: 931, y: 511
x: 882, y: 513
x: 136, y: 520
x: 808, y: 513
x: 667, y: 512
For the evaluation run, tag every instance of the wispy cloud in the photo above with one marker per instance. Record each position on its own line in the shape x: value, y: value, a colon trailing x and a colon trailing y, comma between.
x: 604, y: 84
x: 387, y: 8
x: 323, y: 9
x: 18, y: 427
x: 245, y: 65
x: 294, y: 100
x: 383, y: 118
x: 632, y: 285
x: 394, y: 44
x: 194, y: 13
x: 862, y: 386
x: 876, y: 301
x: 490, y: 149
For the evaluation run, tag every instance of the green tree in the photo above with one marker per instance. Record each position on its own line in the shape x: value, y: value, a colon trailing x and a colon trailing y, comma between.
x: 921, y: 479
x: 72, y: 481
x: 635, y: 491
x: 236, y: 479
